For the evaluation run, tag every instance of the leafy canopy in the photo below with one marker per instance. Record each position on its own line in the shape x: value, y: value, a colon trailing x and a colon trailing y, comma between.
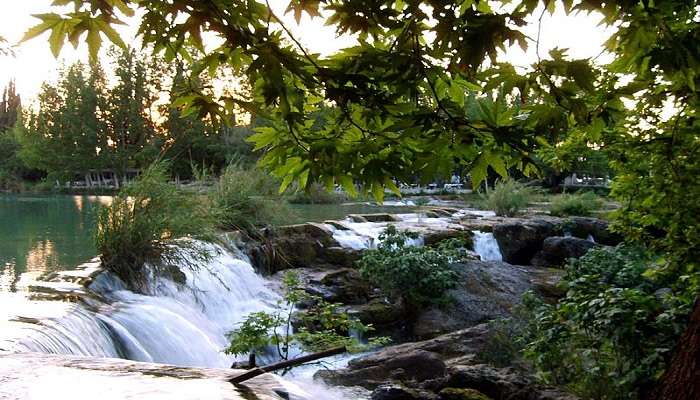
x: 422, y: 88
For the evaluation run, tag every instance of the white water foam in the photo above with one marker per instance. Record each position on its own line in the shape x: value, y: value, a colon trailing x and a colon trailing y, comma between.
x: 486, y: 246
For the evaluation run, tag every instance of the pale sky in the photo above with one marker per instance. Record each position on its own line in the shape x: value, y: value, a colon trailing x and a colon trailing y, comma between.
x: 35, y: 64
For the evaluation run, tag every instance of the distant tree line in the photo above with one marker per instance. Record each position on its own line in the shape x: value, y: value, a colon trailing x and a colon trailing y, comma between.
x: 115, y: 118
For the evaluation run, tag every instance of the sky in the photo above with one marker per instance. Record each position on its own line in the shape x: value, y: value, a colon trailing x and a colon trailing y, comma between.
x: 34, y: 63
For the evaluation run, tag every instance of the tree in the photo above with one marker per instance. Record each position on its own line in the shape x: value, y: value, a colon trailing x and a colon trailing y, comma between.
x: 10, y: 106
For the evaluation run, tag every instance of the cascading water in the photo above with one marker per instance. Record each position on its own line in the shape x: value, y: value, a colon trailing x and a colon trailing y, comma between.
x: 486, y: 246
x: 174, y: 323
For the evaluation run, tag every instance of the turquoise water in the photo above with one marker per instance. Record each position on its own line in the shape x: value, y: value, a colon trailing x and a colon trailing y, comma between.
x: 40, y: 234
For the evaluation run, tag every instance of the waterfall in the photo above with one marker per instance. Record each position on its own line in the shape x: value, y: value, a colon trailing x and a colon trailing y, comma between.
x: 486, y: 246
x: 173, y: 323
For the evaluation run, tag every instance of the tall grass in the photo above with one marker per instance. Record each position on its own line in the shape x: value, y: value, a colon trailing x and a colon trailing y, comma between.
x: 510, y: 197
x: 579, y: 204
x: 143, y: 220
x: 247, y: 198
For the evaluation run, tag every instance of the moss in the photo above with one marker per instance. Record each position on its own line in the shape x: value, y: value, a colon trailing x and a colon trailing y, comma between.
x: 462, y: 394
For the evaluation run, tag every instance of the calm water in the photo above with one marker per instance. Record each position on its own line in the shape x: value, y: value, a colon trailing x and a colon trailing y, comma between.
x: 40, y: 234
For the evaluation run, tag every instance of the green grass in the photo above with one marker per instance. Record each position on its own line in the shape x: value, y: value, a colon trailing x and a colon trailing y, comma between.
x: 578, y: 204
x: 510, y: 197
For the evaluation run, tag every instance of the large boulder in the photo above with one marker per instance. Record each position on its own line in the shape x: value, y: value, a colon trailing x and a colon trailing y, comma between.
x: 486, y: 290
x: 583, y: 227
x: 501, y: 383
x: 520, y: 240
x: 557, y: 249
x: 447, y: 365
x: 307, y: 245
x: 389, y: 365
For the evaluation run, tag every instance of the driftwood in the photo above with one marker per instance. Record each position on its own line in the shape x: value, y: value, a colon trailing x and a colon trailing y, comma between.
x: 252, y: 373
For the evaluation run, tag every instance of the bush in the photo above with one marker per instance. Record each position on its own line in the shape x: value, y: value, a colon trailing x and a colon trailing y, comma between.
x: 509, y: 197
x: 319, y: 327
x: 247, y: 199
x: 317, y: 194
x: 610, y: 337
x: 419, y: 275
x: 583, y: 204
x: 143, y: 220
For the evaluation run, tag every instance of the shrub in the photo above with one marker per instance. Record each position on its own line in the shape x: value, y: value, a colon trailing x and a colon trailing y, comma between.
x: 583, y: 204
x: 321, y: 326
x: 247, y: 199
x: 509, y: 197
x: 143, y: 220
x: 419, y: 275
x: 317, y: 194
x: 610, y: 336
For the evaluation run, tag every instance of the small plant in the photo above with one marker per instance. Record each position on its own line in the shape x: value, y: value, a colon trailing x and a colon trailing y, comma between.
x: 248, y: 199
x: 142, y: 221
x: 319, y: 327
x: 419, y: 275
x: 509, y: 197
x: 583, y: 204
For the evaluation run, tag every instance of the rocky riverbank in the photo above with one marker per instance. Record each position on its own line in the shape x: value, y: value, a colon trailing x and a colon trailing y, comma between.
x: 438, y: 351
x: 442, y: 356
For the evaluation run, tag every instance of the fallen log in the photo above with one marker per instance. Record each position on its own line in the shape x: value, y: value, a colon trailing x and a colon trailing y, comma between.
x: 252, y: 373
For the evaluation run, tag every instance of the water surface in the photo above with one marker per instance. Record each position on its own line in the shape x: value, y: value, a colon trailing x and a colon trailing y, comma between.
x: 40, y: 234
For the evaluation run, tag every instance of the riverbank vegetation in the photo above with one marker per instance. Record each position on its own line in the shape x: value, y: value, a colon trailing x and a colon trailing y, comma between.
x: 143, y: 220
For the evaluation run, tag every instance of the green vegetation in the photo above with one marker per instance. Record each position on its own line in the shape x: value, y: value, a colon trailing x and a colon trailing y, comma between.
x: 320, y: 326
x: 142, y: 222
x: 611, y: 336
x: 580, y: 204
x: 419, y: 275
x: 509, y: 197
x: 247, y: 198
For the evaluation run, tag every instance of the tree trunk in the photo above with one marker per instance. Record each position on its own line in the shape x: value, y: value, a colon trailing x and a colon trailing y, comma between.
x: 681, y: 381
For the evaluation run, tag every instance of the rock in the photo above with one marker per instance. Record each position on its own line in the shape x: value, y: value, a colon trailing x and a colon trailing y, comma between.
x: 398, y: 392
x: 379, y: 312
x: 399, y: 366
x: 557, y: 249
x: 520, y: 241
x: 346, y: 286
x: 462, y: 394
x: 432, y: 238
x: 501, y: 383
x: 583, y: 226
x: 296, y: 246
x: 379, y: 217
x: 486, y: 290
x: 341, y: 256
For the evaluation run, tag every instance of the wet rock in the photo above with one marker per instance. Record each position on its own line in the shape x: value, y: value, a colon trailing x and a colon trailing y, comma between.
x: 501, y: 383
x: 293, y: 246
x: 432, y: 238
x: 520, y: 241
x: 399, y: 366
x: 346, y: 286
x: 379, y: 217
x: 398, y: 392
x: 379, y: 312
x: 341, y: 256
x: 582, y: 227
x: 557, y: 249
